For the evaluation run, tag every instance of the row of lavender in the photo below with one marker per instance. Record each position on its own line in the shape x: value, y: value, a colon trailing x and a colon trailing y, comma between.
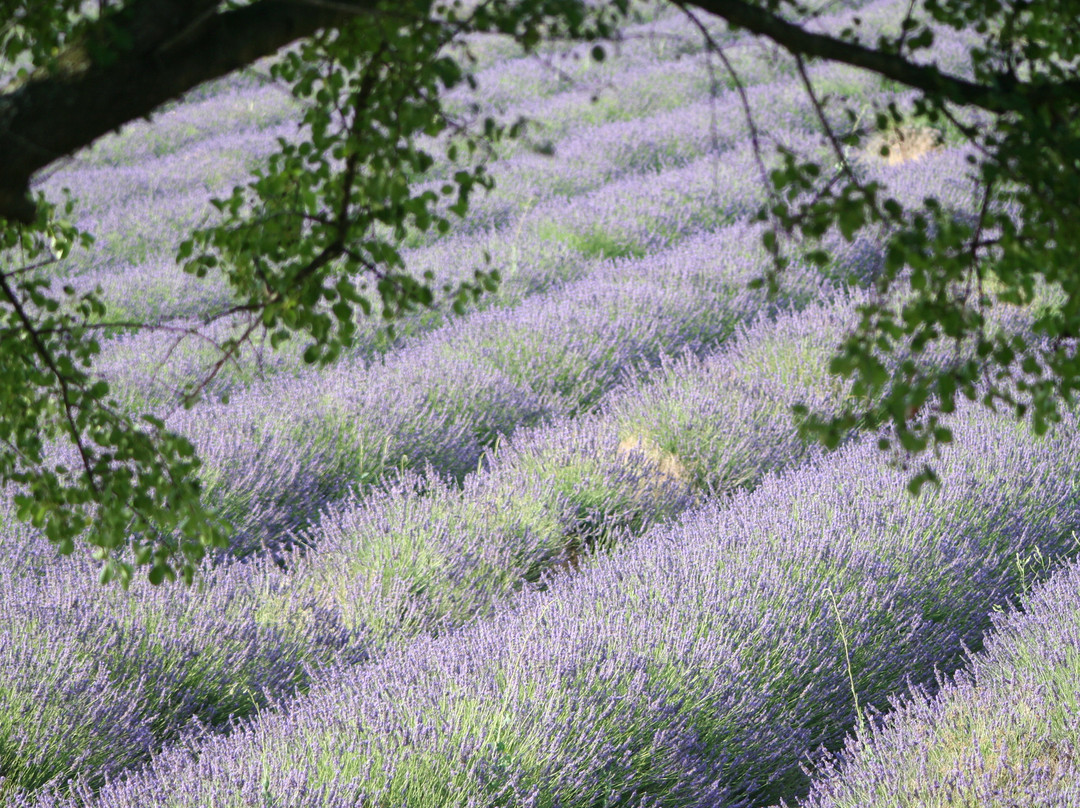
x: 98, y: 678
x: 1003, y: 733
x: 422, y: 556
x: 697, y: 666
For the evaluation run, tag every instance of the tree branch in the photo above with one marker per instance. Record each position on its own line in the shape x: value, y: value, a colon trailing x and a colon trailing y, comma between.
x: 61, y: 380
x: 173, y: 46
x: 838, y: 150
x: 998, y: 95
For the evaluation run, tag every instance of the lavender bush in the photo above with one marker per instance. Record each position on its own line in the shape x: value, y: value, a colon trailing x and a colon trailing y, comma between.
x: 696, y: 667
x: 1003, y: 732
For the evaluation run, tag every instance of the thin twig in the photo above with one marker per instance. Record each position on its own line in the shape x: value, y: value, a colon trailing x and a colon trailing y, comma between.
x: 837, y: 148
x: 30, y: 267
x: 903, y: 27
x: 65, y: 392
x: 229, y: 353
x: 976, y: 242
x: 744, y: 100
x: 847, y: 657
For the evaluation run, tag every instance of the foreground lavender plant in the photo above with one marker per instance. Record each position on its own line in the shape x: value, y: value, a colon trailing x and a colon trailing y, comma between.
x: 1004, y: 732
x: 420, y: 556
x: 695, y: 668
x: 95, y: 679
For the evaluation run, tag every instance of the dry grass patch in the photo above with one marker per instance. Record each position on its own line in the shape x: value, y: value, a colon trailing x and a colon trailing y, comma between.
x: 657, y: 475
x: 667, y: 466
x: 904, y: 143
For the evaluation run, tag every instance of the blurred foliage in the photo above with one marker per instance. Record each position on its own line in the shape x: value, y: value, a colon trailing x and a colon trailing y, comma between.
x: 82, y: 468
x: 946, y: 270
x: 316, y: 235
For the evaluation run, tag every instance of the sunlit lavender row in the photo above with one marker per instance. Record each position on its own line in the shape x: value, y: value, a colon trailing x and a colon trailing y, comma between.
x: 696, y: 667
x: 421, y: 556
x: 1003, y: 733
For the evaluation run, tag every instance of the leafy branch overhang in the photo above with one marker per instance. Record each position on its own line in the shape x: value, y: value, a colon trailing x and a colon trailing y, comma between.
x: 156, y: 50
x: 169, y: 47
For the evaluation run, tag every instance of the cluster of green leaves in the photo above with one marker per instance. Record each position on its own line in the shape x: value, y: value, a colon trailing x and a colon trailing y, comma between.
x: 300, y: 243
x: 83, y: 469
x: 945, y: 271
x: 34, y: 34
x: 57, y: 37
x: 310, y: 244
x: 317, y: 234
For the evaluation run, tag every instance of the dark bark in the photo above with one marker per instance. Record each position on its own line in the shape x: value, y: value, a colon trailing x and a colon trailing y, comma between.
x: 175, y: 45
x: 1004, y: 93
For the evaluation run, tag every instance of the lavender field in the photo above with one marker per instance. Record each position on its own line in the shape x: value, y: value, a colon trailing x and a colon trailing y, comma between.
x: 566, y: 548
